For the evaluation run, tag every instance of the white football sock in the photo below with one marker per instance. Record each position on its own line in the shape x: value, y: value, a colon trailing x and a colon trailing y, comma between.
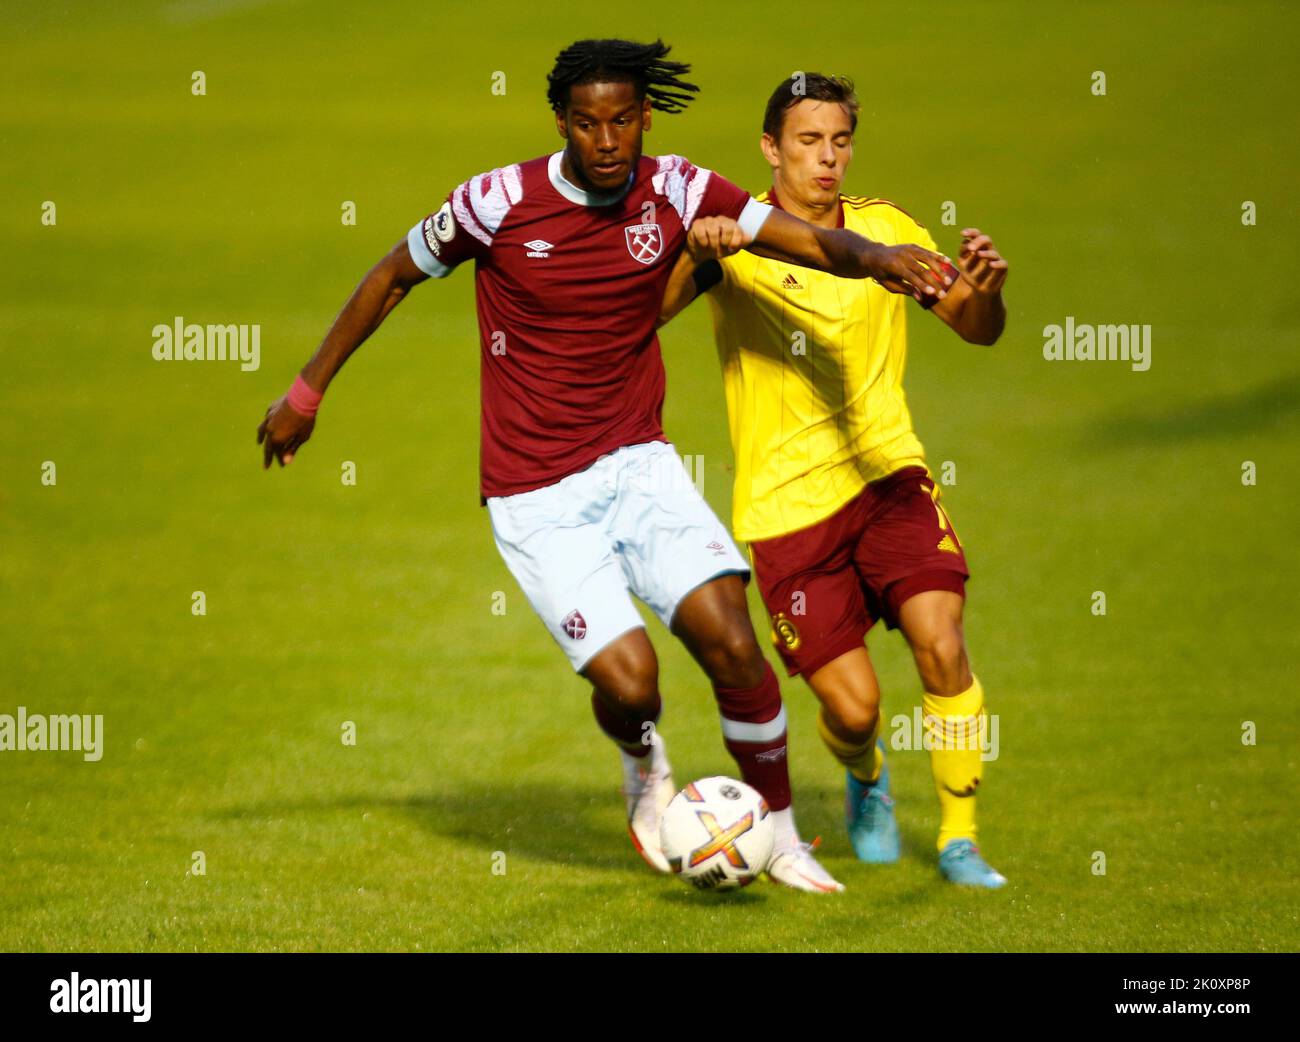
x: 634, y: 765
x: 657, y: 760
x: 659, y: 754
x: 783, y: 824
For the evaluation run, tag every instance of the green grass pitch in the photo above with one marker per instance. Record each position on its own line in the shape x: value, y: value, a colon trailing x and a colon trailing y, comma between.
x: 325, y: 603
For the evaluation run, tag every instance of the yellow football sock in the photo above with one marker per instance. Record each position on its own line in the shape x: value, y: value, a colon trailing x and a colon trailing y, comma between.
x: 954, y: 728
x: 863, y: 759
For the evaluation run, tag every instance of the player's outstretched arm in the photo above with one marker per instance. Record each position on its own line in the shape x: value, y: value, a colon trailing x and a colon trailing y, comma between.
x: 907, y: 268
x: 285, y: 428
x: 974, y: 307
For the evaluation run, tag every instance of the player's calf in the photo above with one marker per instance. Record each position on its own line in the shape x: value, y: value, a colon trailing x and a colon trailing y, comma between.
x: 626, y: 702
x: 713, y: 623
x: 953, y: 710
x: 849, y: 716
x: 932, y: 624
x: 848, y: 721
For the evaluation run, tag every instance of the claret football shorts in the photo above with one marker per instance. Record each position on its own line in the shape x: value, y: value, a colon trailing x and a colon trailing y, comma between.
x: 826, y: 585
x: 633, y: 523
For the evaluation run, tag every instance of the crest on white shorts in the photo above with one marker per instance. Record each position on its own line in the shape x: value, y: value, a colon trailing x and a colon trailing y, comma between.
x: 644, y: 241
x: 574, y: 625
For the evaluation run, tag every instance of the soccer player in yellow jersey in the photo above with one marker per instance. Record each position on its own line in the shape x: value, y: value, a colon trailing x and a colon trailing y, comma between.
x: 832, y: 492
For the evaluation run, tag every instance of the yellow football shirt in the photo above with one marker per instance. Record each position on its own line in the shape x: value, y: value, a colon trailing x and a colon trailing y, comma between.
x: 812, y: 370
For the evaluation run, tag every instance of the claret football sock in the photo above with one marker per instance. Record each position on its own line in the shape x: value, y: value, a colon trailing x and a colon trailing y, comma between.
x: 629, y: 731
x: 753, y: 729
x: 954, y: 728
x: 864, y: 760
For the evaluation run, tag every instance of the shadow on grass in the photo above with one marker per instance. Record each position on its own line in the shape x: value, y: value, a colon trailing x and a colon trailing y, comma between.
x: 1238, y: 413
x: 556, y: 823
x: 563, y: 825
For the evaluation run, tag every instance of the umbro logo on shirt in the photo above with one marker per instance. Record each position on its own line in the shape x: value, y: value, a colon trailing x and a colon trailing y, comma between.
x: 790, y: 282
x: 538, y: 248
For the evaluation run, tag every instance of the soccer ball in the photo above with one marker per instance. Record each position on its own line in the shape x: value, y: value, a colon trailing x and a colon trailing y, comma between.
x: 717, y: 834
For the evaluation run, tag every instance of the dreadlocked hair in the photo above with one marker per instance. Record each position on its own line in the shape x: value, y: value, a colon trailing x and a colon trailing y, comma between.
x: 598, y: 61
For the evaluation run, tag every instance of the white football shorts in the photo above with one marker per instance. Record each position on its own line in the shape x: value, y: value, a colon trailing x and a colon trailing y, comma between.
x: 631, y: 523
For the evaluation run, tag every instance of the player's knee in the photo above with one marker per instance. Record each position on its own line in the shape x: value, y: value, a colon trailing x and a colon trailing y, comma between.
x: 626, y: 678
x: 639, y: 688
x: 633, y: 695
x: 734, y: 660
x: 941, y: 659
x: 854, y: 721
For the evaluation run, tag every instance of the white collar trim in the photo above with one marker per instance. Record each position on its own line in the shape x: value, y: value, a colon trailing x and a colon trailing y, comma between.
x: 581, y: 196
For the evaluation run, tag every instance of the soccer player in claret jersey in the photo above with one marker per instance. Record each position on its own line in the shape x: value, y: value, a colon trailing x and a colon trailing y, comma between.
x: 588, y: 502
x: 832, y: 492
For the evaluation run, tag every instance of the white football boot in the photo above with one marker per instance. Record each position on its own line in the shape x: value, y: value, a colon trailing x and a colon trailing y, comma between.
x: 793, y: 865
x: 648, y: 786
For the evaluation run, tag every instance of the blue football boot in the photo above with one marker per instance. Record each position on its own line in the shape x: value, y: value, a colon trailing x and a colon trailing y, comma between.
x: 960, y: 862
x: 869, y: 814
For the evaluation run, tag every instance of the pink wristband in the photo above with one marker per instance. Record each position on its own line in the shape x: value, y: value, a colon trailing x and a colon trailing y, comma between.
x: 302, y: 399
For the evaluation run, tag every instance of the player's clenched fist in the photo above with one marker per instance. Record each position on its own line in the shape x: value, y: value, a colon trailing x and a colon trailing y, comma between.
x: 282, y: 431
x: 713, y: 238
x: 980, y: 263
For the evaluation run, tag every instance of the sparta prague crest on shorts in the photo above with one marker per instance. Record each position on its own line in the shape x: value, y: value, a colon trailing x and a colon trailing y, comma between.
x: 644, y: 241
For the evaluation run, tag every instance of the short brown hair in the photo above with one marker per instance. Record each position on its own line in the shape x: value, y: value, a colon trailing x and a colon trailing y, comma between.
x: 808, y: 86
